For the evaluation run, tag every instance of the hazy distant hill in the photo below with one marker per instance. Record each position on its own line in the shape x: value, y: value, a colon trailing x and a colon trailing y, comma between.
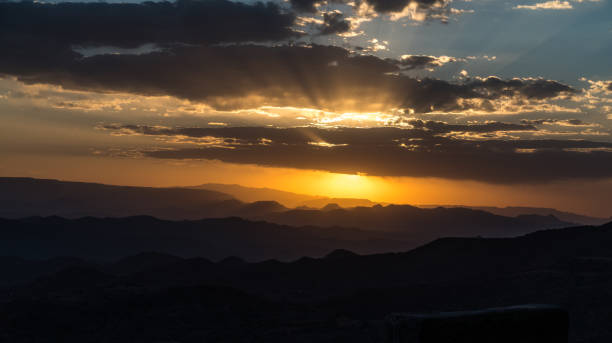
x: 293, y: 200
x: 392, y: 228
x: 576, y: 247
x: 419, y: 223
x: 23, y: 197
x: 111, y: 238
x: 342, y: 202
x: 513, y: 211
x: 443, y: 260
x: 565, y: 216
x: 251, y: 194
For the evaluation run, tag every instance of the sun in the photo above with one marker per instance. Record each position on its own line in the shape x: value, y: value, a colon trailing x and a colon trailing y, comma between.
x: 347, y: 185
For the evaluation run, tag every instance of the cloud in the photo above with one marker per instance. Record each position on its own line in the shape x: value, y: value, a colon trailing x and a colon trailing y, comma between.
x: 552, y: 5
x: 334, y: 23
x: 305, y: 5
x: 548, y: 5
x: 198, y: 59
x: 303, y: 135
x: 418, y: 10
x: 560, y: 122
x: 438, y: 127
x: 132, y: 25
x: 398, y: 6
x: 424, y: 62
x: 416, y: 152
x: 249, y: 76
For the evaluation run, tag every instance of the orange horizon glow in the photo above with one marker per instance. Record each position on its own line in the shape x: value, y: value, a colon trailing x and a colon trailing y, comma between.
x: 397, y: 190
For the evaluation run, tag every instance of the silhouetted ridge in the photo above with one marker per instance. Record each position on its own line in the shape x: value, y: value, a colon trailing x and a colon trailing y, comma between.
x: 23, y: 197
x: 218, y: 238
x: 31, y: 197
x: 546, y: 221
x: 340, y: 254
x: 341, y: 297
x: 260, y: 208
x: 251, y: 194
x: 424, y: 224
x: 232, y: 261
x: 331, y: 207
x: 436, y: 259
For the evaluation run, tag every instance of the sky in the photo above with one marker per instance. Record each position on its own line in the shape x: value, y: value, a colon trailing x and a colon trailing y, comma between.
x: 478, y: 102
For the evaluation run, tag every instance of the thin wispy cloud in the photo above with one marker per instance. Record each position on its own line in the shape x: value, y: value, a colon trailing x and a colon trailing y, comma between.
x: 548, y: 5
x: 552, y: 5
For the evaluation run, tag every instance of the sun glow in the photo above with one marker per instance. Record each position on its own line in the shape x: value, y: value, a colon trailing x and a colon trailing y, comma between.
x: 347, y: 185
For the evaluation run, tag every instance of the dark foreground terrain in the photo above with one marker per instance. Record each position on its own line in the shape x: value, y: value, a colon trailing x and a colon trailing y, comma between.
x: 152, y: 297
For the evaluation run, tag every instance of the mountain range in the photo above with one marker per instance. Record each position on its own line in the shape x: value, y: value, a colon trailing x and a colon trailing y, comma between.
x: 23, y: 197
x: 218, y: 238
x: 302, y: 201
x: 288, y: 199
x: 513, y: 211
x: 340, y: 297
x: 86, y: 262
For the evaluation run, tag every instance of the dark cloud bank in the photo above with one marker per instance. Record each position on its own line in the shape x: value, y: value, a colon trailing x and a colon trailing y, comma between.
x: 379, y: 6
x: 207, y: 54
x: 131, y: 25
x: 420, y: 62
x: 420, y: 152
x: 568, y: 122
x: 387, y: 6
x: 38, y: 39
x: 317, y: 77
x: 333, y: 23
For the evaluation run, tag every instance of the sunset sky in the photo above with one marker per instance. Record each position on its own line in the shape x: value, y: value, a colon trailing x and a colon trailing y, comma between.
x: 475, y: 102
